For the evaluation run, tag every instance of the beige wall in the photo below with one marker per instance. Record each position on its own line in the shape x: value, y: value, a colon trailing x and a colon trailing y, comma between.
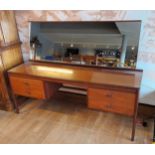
x: 146, y: 56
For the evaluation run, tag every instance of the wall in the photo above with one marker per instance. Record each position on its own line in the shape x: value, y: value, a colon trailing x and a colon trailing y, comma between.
x: 146, y: 56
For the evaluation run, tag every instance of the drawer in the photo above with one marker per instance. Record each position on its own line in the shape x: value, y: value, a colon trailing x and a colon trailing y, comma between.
x: 28, y: 87
x: 117, y: 101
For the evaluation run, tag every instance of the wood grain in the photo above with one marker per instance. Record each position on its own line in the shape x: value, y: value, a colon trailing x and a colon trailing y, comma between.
x: 51, y: 89
x: 85, y: 76
x: 9, y: 27
x: 10, y: 55
x: 28, y: 87
x: 1, y: 37
x: 116, y: 101
x: 33, y: 88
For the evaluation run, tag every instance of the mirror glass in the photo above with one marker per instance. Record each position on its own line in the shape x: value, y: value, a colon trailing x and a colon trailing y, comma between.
x: 113, y: 44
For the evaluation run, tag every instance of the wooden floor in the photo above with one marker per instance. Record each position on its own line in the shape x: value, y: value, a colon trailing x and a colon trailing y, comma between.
x: 66, y: 119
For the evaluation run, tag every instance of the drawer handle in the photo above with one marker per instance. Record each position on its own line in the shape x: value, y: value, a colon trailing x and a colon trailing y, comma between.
x: 109, y: 106
x: 108, y: 95
x: 25, y: 83
x: 28, y: 92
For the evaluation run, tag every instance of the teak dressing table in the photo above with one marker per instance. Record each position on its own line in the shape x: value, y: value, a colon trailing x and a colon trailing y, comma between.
x: 108, y: 90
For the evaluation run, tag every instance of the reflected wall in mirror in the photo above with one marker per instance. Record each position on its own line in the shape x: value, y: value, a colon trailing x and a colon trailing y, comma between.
x: 86, y: 43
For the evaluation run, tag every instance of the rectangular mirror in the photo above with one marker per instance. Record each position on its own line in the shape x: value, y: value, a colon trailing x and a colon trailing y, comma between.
x: 110, y: 44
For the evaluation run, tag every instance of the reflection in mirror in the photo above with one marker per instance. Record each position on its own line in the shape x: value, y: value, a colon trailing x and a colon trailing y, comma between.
x: 112, y: 44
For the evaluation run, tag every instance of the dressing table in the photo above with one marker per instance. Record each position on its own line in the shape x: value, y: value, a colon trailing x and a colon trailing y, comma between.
x: 110, y: 90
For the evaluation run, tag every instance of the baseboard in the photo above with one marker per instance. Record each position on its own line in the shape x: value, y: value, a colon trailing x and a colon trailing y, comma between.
x: 147, y: 105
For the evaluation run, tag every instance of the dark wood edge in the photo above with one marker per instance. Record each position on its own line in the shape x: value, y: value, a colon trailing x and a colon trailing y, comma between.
x: 85, y: 84
x: 68, y: 87
x: 9, y: 45
x: 100, y: 69
x: 74, y: 93
x: 114, y: 112
x: 88, y: 66
x: 147, y: 105
x: 85, y: 21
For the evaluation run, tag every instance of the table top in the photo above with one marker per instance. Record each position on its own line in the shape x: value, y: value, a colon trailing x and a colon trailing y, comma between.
x: 83, y: 75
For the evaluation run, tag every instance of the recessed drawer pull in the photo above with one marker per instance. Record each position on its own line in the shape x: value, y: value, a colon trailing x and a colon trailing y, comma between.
x: 28, y: 92
x: 25, y: 83
x: 109, y: 106
x: 108, y: 95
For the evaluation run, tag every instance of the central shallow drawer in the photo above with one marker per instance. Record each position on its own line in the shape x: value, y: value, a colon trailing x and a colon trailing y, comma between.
x: 28, y: 87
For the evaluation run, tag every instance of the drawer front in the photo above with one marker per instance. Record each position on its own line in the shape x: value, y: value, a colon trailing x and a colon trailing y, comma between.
x: 28, y: 87
x: 112, y: 100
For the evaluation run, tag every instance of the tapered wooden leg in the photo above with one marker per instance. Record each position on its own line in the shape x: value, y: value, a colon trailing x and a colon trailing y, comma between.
x: 15, y: 103
x: 133, y: 128
x: 134, y: 117
x: 154, y: 132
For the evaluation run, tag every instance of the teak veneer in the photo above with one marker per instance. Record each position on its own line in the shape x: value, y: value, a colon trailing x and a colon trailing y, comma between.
x: 108, y: 90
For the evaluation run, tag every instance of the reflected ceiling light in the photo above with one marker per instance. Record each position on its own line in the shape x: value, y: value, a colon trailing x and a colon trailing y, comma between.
x: 56, y: 70
x: 71, y: 45
x: 132, y: 48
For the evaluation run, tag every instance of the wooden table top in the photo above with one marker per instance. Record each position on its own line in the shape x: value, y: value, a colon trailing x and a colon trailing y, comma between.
x: 62, y: 73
